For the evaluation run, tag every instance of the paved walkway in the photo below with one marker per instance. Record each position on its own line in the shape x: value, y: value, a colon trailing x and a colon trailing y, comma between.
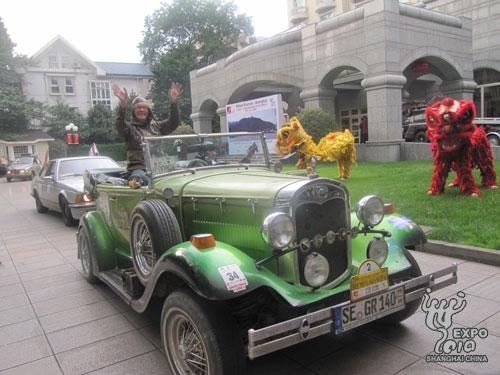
x: 53, y: 322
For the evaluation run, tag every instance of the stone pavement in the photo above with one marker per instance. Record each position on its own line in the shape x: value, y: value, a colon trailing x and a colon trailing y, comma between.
x: 53, y: 322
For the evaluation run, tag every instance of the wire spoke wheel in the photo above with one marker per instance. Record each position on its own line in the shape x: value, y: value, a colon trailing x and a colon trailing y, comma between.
x: 186, y: 345
x: 143, y: 248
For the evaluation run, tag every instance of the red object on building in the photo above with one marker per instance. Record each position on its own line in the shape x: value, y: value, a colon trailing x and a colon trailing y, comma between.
x: 420, y: 67
x: 72, y: 139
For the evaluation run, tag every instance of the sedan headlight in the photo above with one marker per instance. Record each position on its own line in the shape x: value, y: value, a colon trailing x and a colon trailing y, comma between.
x: 278, y: 230
x: 370, y: 210
x: 377, y: 250
x: 83, y: 198
x: 316, y: 270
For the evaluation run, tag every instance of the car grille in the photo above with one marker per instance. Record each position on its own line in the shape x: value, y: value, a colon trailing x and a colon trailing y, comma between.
x: 320, y: 208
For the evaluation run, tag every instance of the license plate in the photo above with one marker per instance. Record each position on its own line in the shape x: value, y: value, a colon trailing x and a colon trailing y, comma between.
x: 367, y: 310
x: 368, y: 284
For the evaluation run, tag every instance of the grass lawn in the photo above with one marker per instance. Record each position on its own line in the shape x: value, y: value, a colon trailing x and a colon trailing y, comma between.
x: 452, y: 217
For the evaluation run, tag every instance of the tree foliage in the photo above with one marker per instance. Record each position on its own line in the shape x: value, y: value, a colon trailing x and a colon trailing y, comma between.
x: 187, y: 35
x: 59, y: 116
x: 14, y: 109
x: 317, y: 123
x: 101, y: 127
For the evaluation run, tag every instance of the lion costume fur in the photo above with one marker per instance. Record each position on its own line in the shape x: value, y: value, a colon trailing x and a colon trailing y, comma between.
x: 458, y: 144
x: 335, y: 146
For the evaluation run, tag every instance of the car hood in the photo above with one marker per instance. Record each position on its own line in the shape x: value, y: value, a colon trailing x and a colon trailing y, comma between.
x: 72, y: 182
x: 248, y: 183
x: 20, y: 166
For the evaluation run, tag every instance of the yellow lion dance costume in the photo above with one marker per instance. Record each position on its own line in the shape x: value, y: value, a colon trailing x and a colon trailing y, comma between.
x: 335, y: 146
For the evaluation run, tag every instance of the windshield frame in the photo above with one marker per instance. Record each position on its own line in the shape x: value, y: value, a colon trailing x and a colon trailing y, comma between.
x: 207, y: 139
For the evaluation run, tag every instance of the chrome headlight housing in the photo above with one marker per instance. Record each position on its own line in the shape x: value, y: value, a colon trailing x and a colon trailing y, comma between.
x: 370, y: 210
x: 316, y: 270
x: 378, y: 250
x: 278, y: 230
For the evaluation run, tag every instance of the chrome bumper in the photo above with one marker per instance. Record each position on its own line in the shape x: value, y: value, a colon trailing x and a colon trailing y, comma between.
x: 294, y: 331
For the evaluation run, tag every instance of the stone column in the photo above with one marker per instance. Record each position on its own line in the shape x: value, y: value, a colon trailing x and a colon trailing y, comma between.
x: 202, y: 122
x: 221, y: 111
x: 459, y: 89
x: 320, y: 98
x: 384, y: 102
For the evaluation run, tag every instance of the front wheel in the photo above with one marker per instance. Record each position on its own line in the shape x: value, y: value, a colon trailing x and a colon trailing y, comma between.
x: 154, y: 229
x: 86, y: 257
x: 494, y: 140
x: 66, y: 212
x: 412, y: 306
x: 421, y: 137
x: 199, y: 336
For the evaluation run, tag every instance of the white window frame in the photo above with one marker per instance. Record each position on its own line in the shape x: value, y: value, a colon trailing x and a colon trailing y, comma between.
x: 100, y: 92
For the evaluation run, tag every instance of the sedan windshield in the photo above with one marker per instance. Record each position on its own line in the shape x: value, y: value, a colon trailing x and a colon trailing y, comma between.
x: 23, y: 160
x: 172, y: 153
x: 76, y: 167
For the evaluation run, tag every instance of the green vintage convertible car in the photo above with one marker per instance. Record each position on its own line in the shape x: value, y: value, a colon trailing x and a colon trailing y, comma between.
x: 245, y: 260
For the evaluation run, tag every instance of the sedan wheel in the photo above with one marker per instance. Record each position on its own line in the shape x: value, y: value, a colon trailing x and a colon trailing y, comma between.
x: 494, y: 140
x: 39, y: 206
x: 153, y: 230
x: 66, y: 212
x: 199, y: 337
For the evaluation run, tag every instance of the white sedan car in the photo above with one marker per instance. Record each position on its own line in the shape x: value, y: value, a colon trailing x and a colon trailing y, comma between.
x: 58, y: 186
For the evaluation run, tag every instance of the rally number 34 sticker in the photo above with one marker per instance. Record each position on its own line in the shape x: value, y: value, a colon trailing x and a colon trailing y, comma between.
x: 233, y: 277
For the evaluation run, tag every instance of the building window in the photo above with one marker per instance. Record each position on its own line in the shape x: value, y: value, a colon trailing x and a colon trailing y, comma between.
x: 20, y: 150
x: 65, y: 64
x: 54, y: 87
x: 100, y: 92
x: 68, y: 86
x: 53, y: 62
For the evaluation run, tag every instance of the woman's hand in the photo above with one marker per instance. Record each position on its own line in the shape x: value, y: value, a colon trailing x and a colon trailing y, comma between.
x: 121, y: 94
x: 174, y: 92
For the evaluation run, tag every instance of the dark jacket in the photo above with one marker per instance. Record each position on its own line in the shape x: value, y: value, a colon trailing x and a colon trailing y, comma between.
x: 133, y: 132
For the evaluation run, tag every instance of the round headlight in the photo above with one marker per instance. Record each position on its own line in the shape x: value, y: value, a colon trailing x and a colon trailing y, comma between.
x: 316, y: 270
x: 278, y: 230
x: 378, y: 250
x: 370, y: 210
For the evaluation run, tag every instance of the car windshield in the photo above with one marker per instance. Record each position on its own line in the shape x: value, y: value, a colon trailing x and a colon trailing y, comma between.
x: 76, y: 167
x: 171, y: 153
x: 23, y: 160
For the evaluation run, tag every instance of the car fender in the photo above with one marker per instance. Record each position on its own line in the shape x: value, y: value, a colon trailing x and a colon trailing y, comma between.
x: 221, y: 272
x: 404, y: 233
x: 101, y: 239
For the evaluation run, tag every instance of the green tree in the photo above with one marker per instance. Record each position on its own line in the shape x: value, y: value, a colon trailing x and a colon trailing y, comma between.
x: 59, y: 116
x: 101, y: 127
x: 13, y: 107
x: 187, y: 35
x: 317, y: 123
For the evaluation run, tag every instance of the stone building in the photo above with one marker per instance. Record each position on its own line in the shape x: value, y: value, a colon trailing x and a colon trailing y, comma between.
x: 360, y: 58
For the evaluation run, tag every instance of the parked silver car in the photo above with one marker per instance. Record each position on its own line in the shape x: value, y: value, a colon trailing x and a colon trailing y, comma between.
x: 22, y: 168
x: 58, y: 186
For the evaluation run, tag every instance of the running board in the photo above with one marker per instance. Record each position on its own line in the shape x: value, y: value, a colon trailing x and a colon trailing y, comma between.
x: 123, y: 282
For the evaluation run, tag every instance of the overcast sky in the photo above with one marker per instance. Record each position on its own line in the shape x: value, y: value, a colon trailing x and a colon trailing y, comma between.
x: 108, y: 30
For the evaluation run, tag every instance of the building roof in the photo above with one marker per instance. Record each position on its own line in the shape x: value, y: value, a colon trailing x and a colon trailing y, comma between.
x: 125, y: 69
x: 29, y: 136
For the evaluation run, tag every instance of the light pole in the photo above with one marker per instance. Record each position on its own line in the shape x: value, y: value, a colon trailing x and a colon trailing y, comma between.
x: 71, y: 134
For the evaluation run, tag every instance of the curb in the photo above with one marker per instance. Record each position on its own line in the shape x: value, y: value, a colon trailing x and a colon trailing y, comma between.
x: 475, y: 254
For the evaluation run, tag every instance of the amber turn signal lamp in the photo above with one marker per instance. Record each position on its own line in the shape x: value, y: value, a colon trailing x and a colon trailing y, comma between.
x: 203, y: 241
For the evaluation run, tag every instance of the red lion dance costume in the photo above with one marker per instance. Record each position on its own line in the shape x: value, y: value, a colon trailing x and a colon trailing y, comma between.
x: 458, y: 144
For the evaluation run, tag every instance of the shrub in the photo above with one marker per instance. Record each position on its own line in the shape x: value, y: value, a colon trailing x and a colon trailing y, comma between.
x: 317, y: 123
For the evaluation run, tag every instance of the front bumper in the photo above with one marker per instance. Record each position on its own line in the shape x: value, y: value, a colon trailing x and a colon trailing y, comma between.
x: 294, y: 331
x: 80, y: 209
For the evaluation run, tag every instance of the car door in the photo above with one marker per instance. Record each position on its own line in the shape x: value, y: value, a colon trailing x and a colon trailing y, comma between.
x: 46, y: 187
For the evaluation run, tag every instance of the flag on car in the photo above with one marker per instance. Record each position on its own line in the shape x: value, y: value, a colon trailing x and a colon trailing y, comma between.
x: 93, y: 150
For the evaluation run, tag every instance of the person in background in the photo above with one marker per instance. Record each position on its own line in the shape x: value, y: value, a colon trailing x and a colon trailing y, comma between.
x: 143, y: 124
x: 363, y: 130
